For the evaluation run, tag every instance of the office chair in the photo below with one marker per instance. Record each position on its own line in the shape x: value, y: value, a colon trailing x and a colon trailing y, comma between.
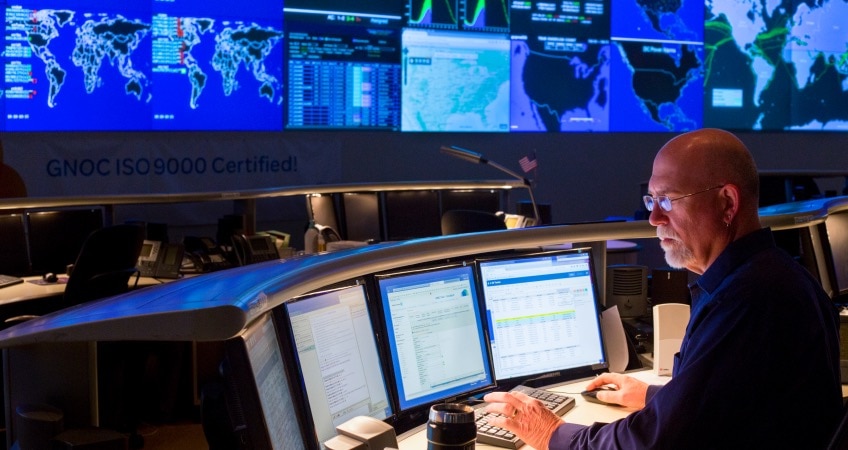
x: 457, y: 221
x: 105, y: 264
x: 103, y: 267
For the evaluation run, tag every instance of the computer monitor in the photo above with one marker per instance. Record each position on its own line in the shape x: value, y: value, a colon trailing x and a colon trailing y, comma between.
x: 343, y: 68
x: 412, y: 214
x: 56, y: 237
x: 362, y: 216
x: 258, y: 392
x: 13, y: 250
x: 436, y: 336
x: 543, y: 317
x: 475, y: 199
x: 332, y: 341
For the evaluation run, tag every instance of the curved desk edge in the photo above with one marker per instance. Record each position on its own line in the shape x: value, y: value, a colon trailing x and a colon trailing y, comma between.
x: 218, y: 305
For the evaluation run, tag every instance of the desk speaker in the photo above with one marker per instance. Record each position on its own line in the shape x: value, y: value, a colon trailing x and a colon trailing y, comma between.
x: 670, y: 320
x: 627, y: 288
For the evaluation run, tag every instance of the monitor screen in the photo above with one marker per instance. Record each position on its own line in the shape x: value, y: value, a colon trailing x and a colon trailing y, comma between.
x: 435, y: 334
x: 543, y: 317
x: 13, y: 252
x: 480, y: 200
x: 512, y: 66
x: 343, y: 65
x: 259, y: 398
x: 471, y: 73
x: 332, y: 339
x: 362, y: 216
x: 165, y: 65
x: 412, y: 214
x: 56, y: 237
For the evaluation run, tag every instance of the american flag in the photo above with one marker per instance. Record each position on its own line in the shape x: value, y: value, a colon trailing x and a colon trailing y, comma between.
x: 528, y: 162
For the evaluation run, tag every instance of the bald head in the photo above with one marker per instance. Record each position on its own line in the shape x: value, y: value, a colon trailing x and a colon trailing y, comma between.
x: 714, y: 156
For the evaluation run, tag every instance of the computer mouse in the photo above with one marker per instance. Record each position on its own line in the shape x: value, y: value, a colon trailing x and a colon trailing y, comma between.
x: 50, y: 277
x: 592, y: 395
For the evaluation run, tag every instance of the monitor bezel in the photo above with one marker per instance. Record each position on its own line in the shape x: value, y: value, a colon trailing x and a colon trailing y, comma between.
x: 244, y: 405
x: 411, y: 416
x: 561, y: 375
x: 289, y: 350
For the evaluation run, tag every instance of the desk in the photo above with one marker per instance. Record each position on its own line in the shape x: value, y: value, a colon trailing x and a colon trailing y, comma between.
x: 583, y: 412
x: 34, y: 289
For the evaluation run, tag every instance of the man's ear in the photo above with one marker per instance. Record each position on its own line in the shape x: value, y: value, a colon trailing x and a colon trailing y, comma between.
x: 729, y: 196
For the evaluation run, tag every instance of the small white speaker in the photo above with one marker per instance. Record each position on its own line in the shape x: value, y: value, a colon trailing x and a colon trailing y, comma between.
x: 627, y: 288
x: 670, y: 320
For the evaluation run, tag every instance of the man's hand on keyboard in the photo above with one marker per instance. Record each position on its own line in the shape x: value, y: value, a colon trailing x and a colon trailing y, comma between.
x: 527, y: 417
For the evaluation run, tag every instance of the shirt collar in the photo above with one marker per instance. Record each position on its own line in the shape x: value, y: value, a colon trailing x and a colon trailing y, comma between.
x: 736, y: 253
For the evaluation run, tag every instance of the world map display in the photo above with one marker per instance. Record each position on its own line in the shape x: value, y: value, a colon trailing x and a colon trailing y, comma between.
x: 419, y: 65
x: 777, y: 66
x: 133, y: 70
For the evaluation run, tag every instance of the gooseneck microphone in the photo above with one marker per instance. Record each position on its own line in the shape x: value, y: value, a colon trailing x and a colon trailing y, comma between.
x: 477, y: 158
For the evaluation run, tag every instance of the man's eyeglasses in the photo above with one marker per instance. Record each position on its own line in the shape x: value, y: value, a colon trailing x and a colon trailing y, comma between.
x: 665, y: 202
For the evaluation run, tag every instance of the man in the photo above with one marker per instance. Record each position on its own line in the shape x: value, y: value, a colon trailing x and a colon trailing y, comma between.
x: 759, y: 364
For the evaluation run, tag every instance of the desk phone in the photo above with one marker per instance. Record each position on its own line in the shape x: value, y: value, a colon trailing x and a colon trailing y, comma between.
x: 205, y: 254
x: 253, y: 249
x: 160, y: 260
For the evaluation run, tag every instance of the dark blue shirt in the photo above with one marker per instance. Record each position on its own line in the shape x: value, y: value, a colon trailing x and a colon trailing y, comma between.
x: 757, y: 368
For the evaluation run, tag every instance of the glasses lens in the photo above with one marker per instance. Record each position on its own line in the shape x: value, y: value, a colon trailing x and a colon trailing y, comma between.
x: 649, y: 202
x: 665, y: 203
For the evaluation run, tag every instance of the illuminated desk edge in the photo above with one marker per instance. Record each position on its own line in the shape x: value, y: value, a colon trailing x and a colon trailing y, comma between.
x: 282, y: 280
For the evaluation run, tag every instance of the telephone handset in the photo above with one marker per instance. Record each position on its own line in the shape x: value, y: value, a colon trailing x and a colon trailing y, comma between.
x: 160, y: 260
x: 205, y: 254
x: 255, y: 248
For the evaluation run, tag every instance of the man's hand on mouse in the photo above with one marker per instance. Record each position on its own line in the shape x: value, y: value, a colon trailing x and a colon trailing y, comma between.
x: 629, y: 391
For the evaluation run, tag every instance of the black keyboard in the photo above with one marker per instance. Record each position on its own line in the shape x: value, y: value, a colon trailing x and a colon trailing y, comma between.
x: 559, y: 404
x: 9, y: 280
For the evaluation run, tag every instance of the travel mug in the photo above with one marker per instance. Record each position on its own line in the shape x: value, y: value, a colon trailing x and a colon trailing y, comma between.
x: 451, y: 427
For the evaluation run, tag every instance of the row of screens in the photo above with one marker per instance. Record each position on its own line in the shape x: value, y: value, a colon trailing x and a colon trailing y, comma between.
x: 393, y: 344
x: 423, y: 66
x: 46, y: 241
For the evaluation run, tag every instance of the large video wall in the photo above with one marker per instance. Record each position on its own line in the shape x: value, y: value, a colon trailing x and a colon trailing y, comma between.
x: 500, y: 66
